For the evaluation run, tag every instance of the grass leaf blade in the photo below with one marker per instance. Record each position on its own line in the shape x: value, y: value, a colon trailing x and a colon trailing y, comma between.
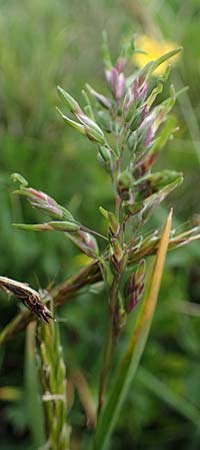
x: 165, y: 394
x: 136, y: 345
x: 34, y: 407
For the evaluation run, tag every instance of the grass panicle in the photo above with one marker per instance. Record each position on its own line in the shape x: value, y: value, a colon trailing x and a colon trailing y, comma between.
x: 128, y: 127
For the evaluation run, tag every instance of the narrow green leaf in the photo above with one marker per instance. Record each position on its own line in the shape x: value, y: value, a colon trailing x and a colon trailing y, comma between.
x: 152, y: 65
x: 162, y: 391
x: 35, y: 413
x: 165, y: 57
x: 135, y: 348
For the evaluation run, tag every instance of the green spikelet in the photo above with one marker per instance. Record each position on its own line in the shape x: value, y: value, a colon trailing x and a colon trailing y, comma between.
x: 53, y: 383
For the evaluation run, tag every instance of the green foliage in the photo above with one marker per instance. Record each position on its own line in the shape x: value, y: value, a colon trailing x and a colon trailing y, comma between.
x: 128, y: 366
x: 44, y: 44
x: 52, y: 373
x: 32, y: 390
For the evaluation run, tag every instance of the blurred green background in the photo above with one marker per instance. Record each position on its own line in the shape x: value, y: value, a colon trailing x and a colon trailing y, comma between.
x: 45, y: 43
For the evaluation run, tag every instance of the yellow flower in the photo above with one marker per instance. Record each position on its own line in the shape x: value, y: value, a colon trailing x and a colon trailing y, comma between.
x: 154, y: 49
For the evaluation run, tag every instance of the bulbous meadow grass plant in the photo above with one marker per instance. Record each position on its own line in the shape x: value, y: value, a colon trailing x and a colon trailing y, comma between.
x: 128, y: 127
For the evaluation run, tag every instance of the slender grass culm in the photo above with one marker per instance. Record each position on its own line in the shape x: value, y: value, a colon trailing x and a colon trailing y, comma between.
x: 129, y: 127
x: 53, y: 383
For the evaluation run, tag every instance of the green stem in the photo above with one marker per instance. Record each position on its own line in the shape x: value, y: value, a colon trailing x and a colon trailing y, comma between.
x: 88, y: 230
x: 67, y: 290
x: 108, y: 345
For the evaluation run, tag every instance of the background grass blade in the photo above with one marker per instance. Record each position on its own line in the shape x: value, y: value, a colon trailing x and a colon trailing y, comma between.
x: 32, y: 390
x: 136, y: 345
x: 162, y: 391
